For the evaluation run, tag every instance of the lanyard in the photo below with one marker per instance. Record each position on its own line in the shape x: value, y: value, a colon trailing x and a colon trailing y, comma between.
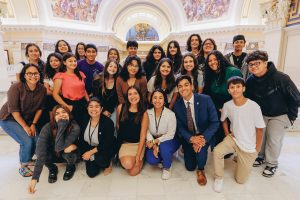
x: 91, y: 134
x: 157, y: 123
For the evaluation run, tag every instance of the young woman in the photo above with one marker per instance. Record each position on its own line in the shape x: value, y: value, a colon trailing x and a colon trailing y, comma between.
x: 194, y: 45
x: 174, y: 54
x: 33, y: 54
x: 20, y: 114
x: 104, y: 88
x: 155, y: 54
x: 217, y: 71
x: 62, y: 47
x: 57, y: 139
x: 190, y: 67
x: 208, y: 45
x: 164, y: 79
x: 53, y: 66
x: 132, y: 123
x: 161, y: 144
x: 69, y: 88
x: 79, y: 51
x: 131, y: 74
x: 98, y: 143
x: 113, y: 54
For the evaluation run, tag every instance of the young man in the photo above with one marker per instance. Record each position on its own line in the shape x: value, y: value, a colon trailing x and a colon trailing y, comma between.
x: 245, y: 134
x: 279, y: 100
x: 237, y: 57
x: 132, y: 48
x: 197, y: 122
x: 89, y: 66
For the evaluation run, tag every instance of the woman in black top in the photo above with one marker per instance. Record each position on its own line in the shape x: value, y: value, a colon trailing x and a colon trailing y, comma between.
x: 156, y: 53
x: 57, y: 139
x: 98, y: 143
x: 132, y: 122
x: 104, y: 88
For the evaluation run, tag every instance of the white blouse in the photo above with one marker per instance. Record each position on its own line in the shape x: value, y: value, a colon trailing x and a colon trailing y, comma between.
x: 166, y: 125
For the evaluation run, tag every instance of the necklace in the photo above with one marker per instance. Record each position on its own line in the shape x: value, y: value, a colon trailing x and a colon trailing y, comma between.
x: 157, y: 122
x: 91, y: 134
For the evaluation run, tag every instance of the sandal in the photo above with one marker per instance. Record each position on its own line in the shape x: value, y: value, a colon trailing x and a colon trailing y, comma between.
x: 258, y: 162
x: 25, y: 172
x: 269, y: 171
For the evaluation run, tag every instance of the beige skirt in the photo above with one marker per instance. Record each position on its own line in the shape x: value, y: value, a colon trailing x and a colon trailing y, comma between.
x: 130, y: 149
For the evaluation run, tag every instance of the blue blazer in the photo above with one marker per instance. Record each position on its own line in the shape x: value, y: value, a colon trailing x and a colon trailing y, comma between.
x: 207, y: 120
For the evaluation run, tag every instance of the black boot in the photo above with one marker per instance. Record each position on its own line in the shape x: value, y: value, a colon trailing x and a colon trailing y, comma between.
x: 52, y: 178
x: 70, y: 169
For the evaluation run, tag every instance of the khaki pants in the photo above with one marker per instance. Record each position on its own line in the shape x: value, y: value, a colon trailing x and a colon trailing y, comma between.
x: 244, y: 160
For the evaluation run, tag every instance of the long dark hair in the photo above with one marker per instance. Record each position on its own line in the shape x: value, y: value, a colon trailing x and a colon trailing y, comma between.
x: 53, y: 123
x: 23, y: 71
x: 49, y: 71
x: 201, y: 53
x: 177, y: 59
x: 126, y: 106
x: 118, y: 54
x: 30, y: 45
x: 194, y: 71
x: 56, y: 46
x: 124, y: 72
x: 63, y: 68
x: 210, y: 74
x: 76, y: 50
x: 150, y: 63
x: 188, y: 42
x: 99, y: 84
x: 170, y: 79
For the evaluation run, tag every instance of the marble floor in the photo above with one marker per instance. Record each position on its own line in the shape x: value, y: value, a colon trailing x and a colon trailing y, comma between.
x: 148, y: 185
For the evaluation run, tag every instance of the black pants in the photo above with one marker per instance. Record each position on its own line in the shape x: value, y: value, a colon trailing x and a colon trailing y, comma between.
x: 70, y: 158
x: 102, y: 161
x: 79, y: 109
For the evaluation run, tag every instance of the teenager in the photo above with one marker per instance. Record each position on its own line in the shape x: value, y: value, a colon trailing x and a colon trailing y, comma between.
x: 161, y: 144
x: 208, y: 45
x: 165, y: 80
x: 155, y: 54
x: 174, y: 54
x: 132, y: 49
x: 98, y: 144
x: 62, y: 47
x: 113, y: 54
x: 89, y: 66
x: 80, y: 51
x: 193, y: 44
x: 57, y: 140
x: 132, y: 124
x: 279, y: 100
x: 20, y: 114
x: 244, y: 137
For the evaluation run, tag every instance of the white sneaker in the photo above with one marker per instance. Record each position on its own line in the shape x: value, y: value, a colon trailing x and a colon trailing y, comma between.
x: 218, y: 185
x: 166, y: 174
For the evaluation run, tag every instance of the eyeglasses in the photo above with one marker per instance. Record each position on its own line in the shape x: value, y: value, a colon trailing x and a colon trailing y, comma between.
x: 30, y: 75
x: 254, y: 64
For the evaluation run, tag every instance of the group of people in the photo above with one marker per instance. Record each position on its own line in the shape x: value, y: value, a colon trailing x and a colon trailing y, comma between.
x: 73, y: 108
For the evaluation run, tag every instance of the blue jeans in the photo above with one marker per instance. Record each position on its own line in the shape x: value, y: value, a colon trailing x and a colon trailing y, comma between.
x: 27, y: 143
x: 165, y: 155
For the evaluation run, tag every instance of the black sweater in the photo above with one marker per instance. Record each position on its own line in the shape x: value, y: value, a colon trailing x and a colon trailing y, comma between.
x: 275, y: 93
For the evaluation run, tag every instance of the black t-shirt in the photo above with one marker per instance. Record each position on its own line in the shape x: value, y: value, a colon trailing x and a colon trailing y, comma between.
x: 238, y: 60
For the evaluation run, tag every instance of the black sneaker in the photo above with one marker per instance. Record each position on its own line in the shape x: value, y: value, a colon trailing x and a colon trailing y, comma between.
x: 269, y: 171
x: 258, y: 162
x: 70, y: 169
x: 52, y: 178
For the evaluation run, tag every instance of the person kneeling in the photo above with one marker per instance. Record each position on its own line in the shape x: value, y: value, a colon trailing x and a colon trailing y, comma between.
x: 161, y: 144
x: 98, y: 143
x: 57, y: 139
x: 244, y: 137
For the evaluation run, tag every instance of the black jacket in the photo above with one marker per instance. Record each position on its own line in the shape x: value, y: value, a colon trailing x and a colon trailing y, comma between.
x: 107, y: 140
x: 275, y: 93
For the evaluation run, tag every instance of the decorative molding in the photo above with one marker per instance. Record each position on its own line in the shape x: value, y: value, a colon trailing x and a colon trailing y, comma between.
x: 275, y: 13
x: 294, y: 13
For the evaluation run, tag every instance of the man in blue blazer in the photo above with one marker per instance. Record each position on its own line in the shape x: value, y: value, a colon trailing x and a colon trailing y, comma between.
x: 197, y: 122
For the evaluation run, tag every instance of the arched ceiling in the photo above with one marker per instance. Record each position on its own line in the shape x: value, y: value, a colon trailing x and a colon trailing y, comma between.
x: 118, y: 16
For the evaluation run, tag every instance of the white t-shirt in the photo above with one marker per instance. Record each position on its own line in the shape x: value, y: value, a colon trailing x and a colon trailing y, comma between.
x: 244, y: 121
x: 150, y: 87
